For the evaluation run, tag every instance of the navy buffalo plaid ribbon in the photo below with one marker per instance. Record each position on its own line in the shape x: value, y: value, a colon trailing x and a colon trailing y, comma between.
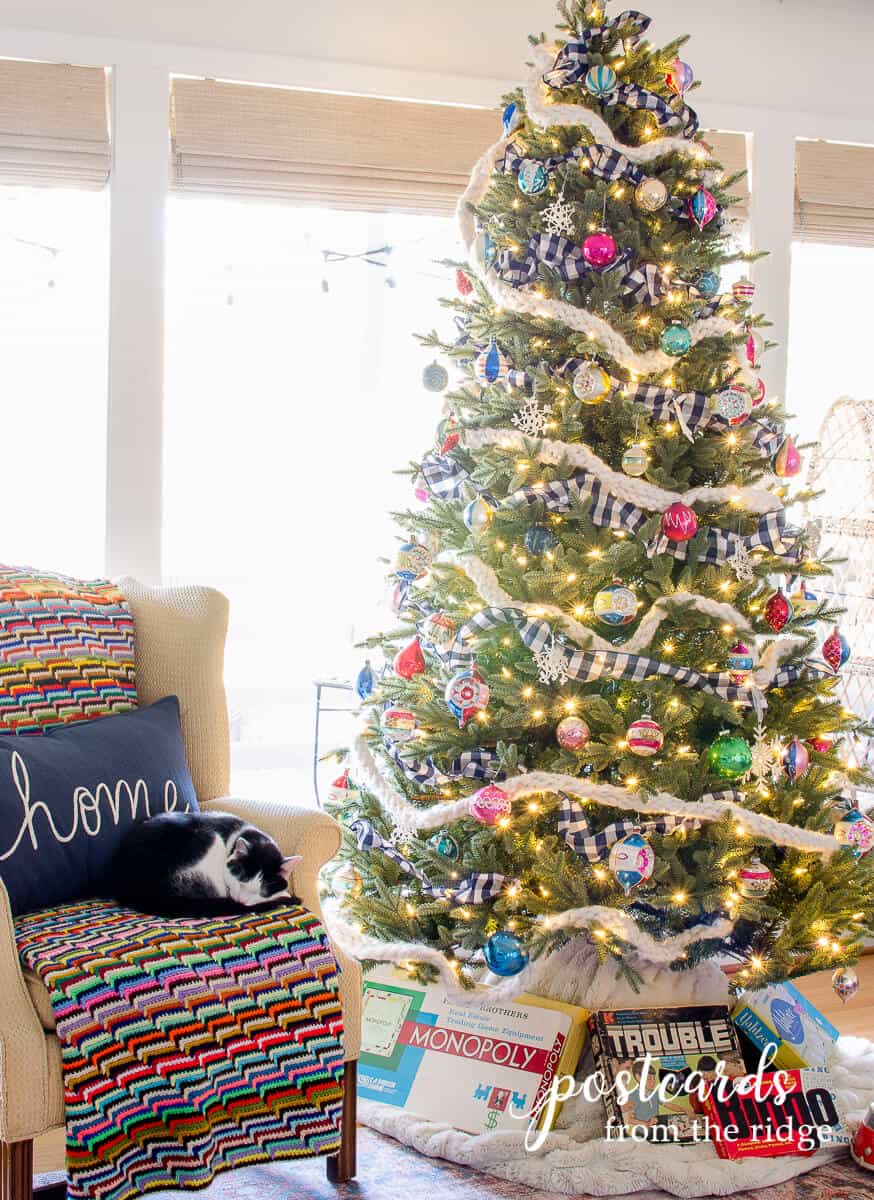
x: 693, y: 411
x: 477, y: 888
x: 609, y: 511
x: 563, y: 255
x: 594, y: 847
x: 572, y: 60
x: 588, y: 666
x: 470, y: 764
x: 632, y: 96
x: 646, y: 284
x: 604, y: 162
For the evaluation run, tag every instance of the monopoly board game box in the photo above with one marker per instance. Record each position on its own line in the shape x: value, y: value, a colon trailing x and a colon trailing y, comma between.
x: 780, y: 1015
x: 478, y: 1068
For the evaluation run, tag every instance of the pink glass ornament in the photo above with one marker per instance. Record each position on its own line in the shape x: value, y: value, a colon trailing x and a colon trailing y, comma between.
x: 833, y: 650
x: 490, y: 804
x: 702, y: 207
x: 680, y: 77
x: 787, y: 461
x: 679, y: 522
x: 759, y: 393
x: 599, y: 249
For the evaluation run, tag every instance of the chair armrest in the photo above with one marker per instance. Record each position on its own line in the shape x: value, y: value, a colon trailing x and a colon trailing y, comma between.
x: 316, y: 837
x: 24, y: 1065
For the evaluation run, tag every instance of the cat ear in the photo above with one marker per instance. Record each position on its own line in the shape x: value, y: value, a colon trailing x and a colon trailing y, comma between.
x: 241, y: 848
x: 288, y: 865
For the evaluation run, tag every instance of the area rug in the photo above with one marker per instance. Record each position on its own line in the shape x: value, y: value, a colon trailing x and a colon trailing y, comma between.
x: 188, y: 1046
x: 387, y: 1170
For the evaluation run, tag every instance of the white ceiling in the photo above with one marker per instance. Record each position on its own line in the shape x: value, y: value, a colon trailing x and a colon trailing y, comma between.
x: 808, y: 55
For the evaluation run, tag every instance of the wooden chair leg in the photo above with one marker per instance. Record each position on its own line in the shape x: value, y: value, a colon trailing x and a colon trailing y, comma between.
x: 16, y: 1170
x: 341, y: 1167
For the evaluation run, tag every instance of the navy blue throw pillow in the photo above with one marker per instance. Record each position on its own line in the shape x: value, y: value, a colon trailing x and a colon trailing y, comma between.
x: 68, y: 796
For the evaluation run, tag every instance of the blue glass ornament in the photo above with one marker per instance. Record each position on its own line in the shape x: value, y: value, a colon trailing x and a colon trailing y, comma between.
x: 539, y: 539
x: 675, y: 340
x: 511, y: 117
x: 490, y: 250
x: 532, y: 177
x: 365, y: 681
x: 445, y: 844
x: 708, y: 284
x: 600, y: 81
x: 491, y: 366
x: 435, y: 377
x: 505, y: 954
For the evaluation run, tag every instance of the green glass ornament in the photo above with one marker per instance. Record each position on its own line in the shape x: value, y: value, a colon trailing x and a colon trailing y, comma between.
x: 729, y: 756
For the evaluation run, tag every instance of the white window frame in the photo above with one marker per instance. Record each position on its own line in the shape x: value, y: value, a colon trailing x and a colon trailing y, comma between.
x: 141, y: 74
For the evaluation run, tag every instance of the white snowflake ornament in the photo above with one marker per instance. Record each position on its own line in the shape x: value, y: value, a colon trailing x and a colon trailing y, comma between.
x: 551, y: 666
x: 767, y: 758
x: 531, y: 419
x: 741, y: 563
x: 558, y: 218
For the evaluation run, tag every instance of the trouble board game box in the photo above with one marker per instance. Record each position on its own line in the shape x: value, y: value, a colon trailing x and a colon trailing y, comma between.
x: 780, y: 1015
x: 476, y: 1068
x: 649, y: 1047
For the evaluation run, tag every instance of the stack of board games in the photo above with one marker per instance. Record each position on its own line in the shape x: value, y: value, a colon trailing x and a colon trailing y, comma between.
x: 798, y: 1117
x: 679, y: 1041
x: 477, y: 1068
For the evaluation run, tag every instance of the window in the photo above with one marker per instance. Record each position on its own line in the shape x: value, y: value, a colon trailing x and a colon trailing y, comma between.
x: 293, y: 394
x: 54, y: 243
x: 832, y: 259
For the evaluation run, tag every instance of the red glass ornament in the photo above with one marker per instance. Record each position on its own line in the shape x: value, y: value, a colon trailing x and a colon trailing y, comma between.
x: 832, y: 650
x: 410, y: 661
x: 679, y: 522
x: 759, y: 393
x: 462, y: 283
x: 599, y: 249
x: 821, y: 745
x: 778, y: 610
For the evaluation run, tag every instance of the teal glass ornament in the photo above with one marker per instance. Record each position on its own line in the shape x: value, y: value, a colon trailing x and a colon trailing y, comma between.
x: 444, y: 843
x: 539, y: 539
x: 729, y: 756
x: 505, y: 954
x: 532, y: 177
x: 675, y: 340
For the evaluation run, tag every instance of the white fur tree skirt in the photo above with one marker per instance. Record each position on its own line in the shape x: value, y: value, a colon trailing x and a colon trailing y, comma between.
x: 576, y: 1157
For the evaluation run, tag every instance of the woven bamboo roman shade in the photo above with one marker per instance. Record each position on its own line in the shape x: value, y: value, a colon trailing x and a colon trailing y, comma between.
x: 834, y: 193
x: 54, y: 124
x: 730, y: 149
x: 318, y: 148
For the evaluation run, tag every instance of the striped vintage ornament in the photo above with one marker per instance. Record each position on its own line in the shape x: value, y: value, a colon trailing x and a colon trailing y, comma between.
x: 702, y: 208
x: 796, y: 760
x: 680, y: 77
x: 787, y: 461
x: 600, y: 81
x: 644, y: 737
x: 492, y: 365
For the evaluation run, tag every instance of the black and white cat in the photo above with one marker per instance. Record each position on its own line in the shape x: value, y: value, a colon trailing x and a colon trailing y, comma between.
x: 198, y: 864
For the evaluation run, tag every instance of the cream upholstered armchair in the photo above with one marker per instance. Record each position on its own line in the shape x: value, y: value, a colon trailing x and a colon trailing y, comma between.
x: 180, y: 640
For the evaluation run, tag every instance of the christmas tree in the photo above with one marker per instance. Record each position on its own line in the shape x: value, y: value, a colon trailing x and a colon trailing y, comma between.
x: 612, y: 709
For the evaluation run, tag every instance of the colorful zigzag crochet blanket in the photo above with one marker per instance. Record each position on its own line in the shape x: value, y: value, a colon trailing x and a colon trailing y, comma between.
x: 188, y: 1046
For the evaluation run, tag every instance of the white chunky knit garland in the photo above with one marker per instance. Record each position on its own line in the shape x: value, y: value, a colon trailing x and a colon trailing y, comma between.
x: 366, y: 770
x: 611, y: 920
x: 494, y: 596
x: 635, y: 491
